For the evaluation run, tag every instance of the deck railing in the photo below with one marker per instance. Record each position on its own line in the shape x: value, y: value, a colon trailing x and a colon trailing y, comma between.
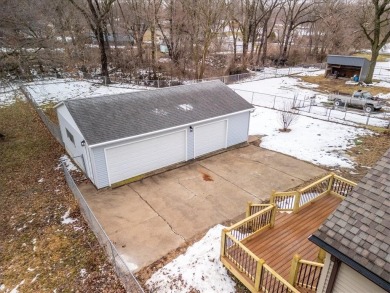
x: 250, y: 269
x: 255, y: 223
x: 273, y: 282
x: 254, y: 208
x: 304, y: 273
x: 295, y: 200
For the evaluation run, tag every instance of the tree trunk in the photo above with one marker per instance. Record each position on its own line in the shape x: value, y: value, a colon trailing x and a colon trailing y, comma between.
x: 370, y: 74
x: 103, y: 56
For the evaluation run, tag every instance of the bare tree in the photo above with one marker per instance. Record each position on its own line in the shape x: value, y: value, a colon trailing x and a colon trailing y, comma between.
x: 287, y: 116
x: 96, y: 13
x: 374, y: 22
x: 205, y: 19
x: 295, y: 14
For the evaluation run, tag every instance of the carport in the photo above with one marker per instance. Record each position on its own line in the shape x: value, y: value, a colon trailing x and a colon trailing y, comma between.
x: 347, y: 66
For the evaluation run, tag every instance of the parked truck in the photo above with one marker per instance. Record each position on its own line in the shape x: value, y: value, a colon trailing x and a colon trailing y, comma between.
x: 361, y: 99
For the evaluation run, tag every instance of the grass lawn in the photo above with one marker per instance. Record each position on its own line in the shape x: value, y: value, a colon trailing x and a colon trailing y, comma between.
x: 329, y: 85
x: 37, y: 251
x: 381, y: 57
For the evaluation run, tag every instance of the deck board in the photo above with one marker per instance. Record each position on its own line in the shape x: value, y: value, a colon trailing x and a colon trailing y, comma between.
x: 278, y: 245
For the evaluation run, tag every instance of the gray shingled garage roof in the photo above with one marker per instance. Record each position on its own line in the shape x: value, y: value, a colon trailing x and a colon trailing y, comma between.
x: 107, y: 118
x: 360, y: 227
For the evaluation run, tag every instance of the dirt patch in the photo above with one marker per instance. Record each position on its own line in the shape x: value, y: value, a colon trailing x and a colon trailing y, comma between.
x: 35, y: 246
x: 367, y: 151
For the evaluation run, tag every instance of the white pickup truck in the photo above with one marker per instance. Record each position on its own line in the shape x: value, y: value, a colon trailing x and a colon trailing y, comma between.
x: 361, y: 99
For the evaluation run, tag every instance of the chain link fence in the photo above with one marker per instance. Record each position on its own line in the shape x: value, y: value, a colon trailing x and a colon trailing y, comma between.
x: 53, y: 128
x: 124, y: 274
x: 309, y: 105
x: 258, y: 74
x: 128, y: 280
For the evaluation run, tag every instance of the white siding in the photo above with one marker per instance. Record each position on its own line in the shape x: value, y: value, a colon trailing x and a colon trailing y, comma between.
x: 77, y: 152
x: 350, y: 281
x: 325, y: 274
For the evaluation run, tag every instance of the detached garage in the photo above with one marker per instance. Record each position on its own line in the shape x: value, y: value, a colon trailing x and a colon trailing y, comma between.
x: 118, y: 137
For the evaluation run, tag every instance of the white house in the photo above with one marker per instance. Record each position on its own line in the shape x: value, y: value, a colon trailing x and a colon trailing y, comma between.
x: 356, y: 237
x: 117, y: 137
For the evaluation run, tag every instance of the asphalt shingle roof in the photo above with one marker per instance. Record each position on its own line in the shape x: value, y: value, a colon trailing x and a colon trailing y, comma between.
x: 360, y: 226
x: 107, y: 118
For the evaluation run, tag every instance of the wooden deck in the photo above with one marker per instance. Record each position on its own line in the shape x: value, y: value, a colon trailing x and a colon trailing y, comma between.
x: 278, y: 245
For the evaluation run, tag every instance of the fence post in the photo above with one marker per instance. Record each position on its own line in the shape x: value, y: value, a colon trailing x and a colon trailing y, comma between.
x: 252, y: 97
x: 273, y: 106
x: 259, y: 269
x: 294, y: 270
x: 248, y: 209
x: 368, y: 118
x: 297, y: 199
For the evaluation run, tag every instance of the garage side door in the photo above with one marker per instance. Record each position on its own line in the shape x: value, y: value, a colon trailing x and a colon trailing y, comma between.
x: 210, y: 137
x: 129, y: 160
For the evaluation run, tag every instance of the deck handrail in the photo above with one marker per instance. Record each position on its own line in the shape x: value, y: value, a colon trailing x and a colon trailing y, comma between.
x: 253, y: 224
x: 305, y: 273
x: 253, y: 208
x: 295, y: 200
x: 258, y: 275
x: 268, y: 283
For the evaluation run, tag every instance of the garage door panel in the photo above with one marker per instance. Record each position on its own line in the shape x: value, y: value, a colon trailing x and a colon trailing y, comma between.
x: 140, y: 157
x: 210, y: 137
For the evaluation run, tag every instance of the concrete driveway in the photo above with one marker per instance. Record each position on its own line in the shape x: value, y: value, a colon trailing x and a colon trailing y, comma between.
x: 149, y: 218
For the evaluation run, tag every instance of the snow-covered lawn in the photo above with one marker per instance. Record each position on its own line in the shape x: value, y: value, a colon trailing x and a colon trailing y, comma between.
x: 58, y: 90
x: 197, y: 270
x: 317, y: 141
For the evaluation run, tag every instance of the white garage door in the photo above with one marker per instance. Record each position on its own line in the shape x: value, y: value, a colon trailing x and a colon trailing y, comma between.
x: 210, y: 137
x: 129, y: 160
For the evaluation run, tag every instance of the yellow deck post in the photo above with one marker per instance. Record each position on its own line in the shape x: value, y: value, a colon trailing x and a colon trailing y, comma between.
x: 223, y: 237
x: 248, y: 209
x: 273, y: 215
x: 331, y: 180
x: 294, y: 270
x: 297, y: 199
x: 259, y: 268
x: 272, y: 199
x: 321, y: 255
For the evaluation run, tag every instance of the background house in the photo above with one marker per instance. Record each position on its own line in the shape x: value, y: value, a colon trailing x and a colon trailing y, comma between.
x: 356, y: 237
x: 114, y: 138
x: 347, y: 66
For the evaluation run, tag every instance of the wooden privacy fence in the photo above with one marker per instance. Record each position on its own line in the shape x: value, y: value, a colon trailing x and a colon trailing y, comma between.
x: 296, y: 200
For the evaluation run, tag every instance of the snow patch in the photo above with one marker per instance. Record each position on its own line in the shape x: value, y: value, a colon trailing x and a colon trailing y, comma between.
x: 35, y: 278
x: 15, y: 290
x: 199, y: 269
x: 83, y: 273
x: 186, y: 107
x: 66, y: 219
x: 68, y: 163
